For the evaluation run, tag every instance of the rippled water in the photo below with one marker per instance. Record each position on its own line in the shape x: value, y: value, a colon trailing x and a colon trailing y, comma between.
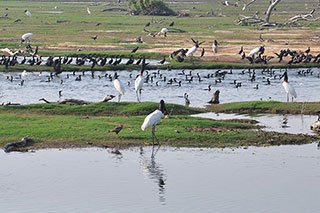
x: 273, y: 179
x: 295, y: 124
x: 95, y: 89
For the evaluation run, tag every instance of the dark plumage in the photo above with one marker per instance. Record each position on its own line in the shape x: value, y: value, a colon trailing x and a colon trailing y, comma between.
x: 134, y: 49
x: 117, y: 129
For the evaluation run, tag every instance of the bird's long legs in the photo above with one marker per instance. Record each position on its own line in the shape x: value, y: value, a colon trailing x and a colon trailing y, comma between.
x: 137, y: 96
x: 154, y: 136
x: 138, y: 92
x: 119, y: 97
x: 287, y: 97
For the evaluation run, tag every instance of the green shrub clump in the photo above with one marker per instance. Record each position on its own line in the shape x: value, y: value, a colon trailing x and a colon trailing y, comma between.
x: 153, y: 7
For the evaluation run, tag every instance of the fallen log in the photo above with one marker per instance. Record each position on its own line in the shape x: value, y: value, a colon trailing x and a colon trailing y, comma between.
x: 18, y: 146
x: 75, y: 101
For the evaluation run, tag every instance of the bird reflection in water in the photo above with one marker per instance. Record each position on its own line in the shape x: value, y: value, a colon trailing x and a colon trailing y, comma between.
x: 154, y: 171
x: 284, y: 121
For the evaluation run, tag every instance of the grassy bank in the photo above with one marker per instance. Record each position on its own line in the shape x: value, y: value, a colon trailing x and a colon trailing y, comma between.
x: 267, y: 107
x: 60, y: 126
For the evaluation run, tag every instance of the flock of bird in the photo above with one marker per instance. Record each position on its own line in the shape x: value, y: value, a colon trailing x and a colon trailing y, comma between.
x: 256, y: 55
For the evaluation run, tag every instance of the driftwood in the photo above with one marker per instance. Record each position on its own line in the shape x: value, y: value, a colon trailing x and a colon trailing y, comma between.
x: 265, y: 22
x: 74, y: 101
x: 302, y: 17
x: 78, y: 101
x: 18, y: 146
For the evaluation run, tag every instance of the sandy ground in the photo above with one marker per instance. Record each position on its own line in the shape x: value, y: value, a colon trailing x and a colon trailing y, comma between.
x: 274, y: 40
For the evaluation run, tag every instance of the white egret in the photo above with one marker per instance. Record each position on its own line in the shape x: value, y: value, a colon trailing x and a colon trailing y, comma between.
x: 256, y: 51
x: 28, y: 13
x: 25, y: 37
x: 119, y: 86
x: 138, y: 83
x: 153, y: 119
x: 88, y: 10
x: 288, y: 87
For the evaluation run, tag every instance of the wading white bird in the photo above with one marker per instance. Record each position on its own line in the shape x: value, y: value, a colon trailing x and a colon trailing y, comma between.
x: 138, y: 83
x: 153, y: 119
x: 25, y: 37
x: 215, y: 46
x: 288, y: 87
x: 24, y: 73
x: 256, y: 51
x: 193, y: 49
x: 88, y: 10
x: 118, y: 85
x: 28, y: 13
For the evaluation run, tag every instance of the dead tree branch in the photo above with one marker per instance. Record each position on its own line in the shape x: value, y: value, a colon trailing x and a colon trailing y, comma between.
x: 245, y: 6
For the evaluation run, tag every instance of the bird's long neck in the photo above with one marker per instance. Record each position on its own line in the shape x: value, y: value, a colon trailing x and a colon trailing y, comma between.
x: 162, y: 107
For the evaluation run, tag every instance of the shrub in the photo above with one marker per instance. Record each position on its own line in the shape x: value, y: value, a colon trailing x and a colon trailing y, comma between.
x: 150, y: 7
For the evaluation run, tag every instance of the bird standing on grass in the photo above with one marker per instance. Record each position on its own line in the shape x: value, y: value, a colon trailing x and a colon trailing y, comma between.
x: 193, y: 49
x: 153, y: 119
x: 215, y: 46
x: 88, y: 11
x: 288, y: 87
x: 118, y: 85
x: 25, y: 37
x: 117, y: 129
x: 28, y: 13
x: 164, y: 31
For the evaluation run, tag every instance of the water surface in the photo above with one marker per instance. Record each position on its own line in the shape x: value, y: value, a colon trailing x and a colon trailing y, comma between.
x: 273, y: 179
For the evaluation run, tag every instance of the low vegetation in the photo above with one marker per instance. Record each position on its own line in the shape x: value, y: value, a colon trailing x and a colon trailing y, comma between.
x: 60, y: 126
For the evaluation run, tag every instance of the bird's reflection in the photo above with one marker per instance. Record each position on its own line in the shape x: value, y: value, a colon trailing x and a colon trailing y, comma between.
x: 154, y: 171
x: 284, y: 121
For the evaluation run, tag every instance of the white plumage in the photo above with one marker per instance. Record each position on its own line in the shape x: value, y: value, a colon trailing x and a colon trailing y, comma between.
x: 152, y: 119
x: 28, y: 13
x: 215, y: 46
x: 88, y: 10
x: 118, y: 85
x: 316, y: 126
x: 25, y: 37
x: 164, y: 31
x: 254, y: 51
x: 24, y: 73
x: 288, y: 87
x: 191, y: 51
x: 138, y: 83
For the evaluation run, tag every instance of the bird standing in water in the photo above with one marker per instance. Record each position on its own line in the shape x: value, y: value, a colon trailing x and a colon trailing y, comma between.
x: 138, y: 85
x: 288, y: 87
x: 118, y: 85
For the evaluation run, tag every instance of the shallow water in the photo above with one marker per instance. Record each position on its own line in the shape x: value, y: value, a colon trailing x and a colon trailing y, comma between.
x: 295, y: 124
x: 273, y: 179
x: 95, y: 89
